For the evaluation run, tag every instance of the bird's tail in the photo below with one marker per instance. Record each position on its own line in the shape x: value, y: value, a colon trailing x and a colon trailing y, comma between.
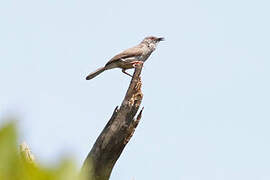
x: 95, y: 73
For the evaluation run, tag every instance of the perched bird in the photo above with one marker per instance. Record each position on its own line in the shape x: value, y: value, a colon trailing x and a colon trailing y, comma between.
x: 130, y: 57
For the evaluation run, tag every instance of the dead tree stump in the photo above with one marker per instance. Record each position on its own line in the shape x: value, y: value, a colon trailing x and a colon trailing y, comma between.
x: 116, y: 134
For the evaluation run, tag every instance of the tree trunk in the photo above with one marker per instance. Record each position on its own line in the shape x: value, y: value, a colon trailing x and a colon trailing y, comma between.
x: 109, y: 145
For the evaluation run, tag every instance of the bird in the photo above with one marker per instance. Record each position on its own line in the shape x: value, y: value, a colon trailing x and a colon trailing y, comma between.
x: 130, y: 57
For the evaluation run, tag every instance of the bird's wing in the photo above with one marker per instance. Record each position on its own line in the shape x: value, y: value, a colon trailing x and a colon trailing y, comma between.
x: 131, y: 52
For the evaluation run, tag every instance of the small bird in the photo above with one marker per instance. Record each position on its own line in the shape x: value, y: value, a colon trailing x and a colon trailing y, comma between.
x: 130, y: 57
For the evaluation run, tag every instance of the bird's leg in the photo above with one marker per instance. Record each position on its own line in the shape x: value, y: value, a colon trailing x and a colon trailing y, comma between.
x: 124, y: 71
x: 135, y: 63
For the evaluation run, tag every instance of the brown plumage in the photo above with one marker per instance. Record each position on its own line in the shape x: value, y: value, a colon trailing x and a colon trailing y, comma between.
x: 131, y: 52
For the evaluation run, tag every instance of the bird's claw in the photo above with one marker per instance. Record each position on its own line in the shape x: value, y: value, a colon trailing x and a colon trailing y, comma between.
x: 137, y: 63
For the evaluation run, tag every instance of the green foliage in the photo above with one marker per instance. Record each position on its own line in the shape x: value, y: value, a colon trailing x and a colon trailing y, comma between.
x: 13, y: 166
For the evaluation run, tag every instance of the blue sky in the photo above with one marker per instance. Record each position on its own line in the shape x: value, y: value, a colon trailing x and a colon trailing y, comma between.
x: 206, y: 88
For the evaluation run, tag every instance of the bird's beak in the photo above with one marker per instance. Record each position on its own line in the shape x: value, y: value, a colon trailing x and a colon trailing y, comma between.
x: 161, y: 39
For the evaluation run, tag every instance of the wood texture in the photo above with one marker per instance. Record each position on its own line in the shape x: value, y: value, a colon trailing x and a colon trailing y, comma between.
x: 109, y: 145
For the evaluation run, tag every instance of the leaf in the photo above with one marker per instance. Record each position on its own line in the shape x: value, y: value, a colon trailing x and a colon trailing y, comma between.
x: 21, y: 166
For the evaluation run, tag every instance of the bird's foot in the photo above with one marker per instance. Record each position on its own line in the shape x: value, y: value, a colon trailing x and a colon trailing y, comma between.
x: 124, y: 71
x: 137, y: 63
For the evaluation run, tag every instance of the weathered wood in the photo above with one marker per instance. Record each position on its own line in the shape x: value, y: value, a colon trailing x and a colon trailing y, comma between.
x: 109, y: 145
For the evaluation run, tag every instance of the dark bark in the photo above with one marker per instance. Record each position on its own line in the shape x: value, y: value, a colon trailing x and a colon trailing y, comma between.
x: 109, y: 145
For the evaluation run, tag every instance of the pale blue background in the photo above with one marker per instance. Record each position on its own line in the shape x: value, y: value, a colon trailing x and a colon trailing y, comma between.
x: 206, y: 88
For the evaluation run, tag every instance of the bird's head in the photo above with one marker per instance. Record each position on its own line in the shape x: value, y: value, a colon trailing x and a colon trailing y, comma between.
x: 152, y: 41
